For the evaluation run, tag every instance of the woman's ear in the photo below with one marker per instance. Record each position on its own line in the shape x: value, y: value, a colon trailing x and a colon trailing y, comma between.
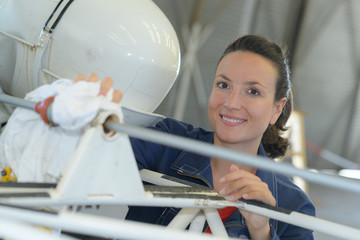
x: 279, y: 105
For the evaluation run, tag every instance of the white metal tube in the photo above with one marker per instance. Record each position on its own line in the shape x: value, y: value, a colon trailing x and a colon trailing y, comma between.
x: 207, y: 149
x: 299, y: 219
x: 308, y: 222
x: 338, y: 160
x: 17, y: 39
x: 16, y: 230
x: 100, y: 226
x: 17, y: 101
x: 148, y: 201
x: 198, y: 223
x: 215, y: 223
x: 156, y: 179
x: 183, y: 218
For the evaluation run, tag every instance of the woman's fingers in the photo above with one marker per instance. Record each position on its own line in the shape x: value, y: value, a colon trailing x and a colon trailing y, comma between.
x: 79, y: 77
x: 117, y: 96
x: 249, y: 190
x: 253, y: 190
x: 238, y: 188
x: 236, y: 174
x: 234, y: 168
x: 105, y: 86
x: 242, y: 184
x: 92, y: 78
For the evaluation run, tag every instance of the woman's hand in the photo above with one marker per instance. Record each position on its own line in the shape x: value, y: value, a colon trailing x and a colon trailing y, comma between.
x: 242, y: 184
x: 105, y: 86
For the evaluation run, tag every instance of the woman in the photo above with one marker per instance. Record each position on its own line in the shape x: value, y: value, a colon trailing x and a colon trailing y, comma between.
x: 249, y: 105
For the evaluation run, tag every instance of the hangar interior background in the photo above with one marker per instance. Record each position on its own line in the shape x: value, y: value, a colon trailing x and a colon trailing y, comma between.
x: 321, y: 38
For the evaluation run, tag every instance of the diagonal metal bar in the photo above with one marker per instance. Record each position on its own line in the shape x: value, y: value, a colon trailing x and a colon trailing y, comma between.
x: 207, y: 149
x: 4, y: 98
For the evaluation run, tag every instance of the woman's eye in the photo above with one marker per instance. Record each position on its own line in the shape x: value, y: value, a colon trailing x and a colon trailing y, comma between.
x: 253, y: 92
x: 222, y: 85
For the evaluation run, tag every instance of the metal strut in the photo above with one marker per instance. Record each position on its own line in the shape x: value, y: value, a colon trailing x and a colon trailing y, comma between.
x: 207, y: 149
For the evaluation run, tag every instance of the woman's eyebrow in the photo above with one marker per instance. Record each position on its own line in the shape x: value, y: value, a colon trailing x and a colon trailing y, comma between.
x: 252, y: 83
x: 223, y: 76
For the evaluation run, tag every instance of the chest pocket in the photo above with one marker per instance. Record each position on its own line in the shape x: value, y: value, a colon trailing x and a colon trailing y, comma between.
x: 167, y: 215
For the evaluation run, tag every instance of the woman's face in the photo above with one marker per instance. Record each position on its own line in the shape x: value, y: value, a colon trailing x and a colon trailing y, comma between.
x: 241, y: 103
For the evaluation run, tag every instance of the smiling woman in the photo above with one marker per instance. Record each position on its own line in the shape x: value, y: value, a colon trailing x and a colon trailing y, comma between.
x: 272, y: 58
x: 241, y: 104
x: 248, y: 107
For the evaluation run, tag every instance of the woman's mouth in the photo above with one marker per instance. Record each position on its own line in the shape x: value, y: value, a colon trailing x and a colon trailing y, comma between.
x: 232, y: 120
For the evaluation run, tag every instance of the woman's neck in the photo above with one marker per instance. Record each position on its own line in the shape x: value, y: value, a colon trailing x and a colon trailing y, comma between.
x: 221, y: 167
x: 249, y: 147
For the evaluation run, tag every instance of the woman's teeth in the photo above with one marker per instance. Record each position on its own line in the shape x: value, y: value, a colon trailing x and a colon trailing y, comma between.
x: 232, y: 120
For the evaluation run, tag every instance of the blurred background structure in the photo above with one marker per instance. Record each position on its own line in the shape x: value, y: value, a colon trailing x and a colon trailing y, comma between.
x: 321, y: 38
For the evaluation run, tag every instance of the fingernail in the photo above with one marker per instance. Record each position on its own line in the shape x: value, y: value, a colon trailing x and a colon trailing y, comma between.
x: 221, y: 180
x: 222, y: 191
x: 245, y: 196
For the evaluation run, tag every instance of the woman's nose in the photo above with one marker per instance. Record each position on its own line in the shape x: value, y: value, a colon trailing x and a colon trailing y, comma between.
x: 233, y: 101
